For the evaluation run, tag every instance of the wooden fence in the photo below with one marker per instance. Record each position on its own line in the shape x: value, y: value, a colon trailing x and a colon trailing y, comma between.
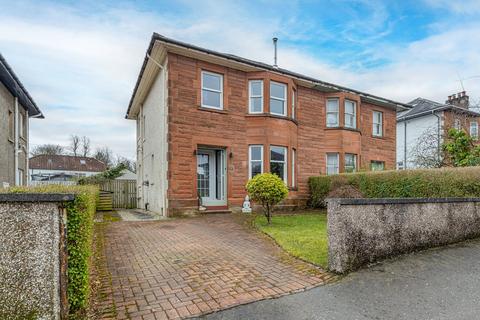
x: 124, y: 193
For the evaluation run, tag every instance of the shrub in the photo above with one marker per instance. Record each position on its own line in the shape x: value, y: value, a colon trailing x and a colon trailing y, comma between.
x: 267, y: 189
x: 425, y: 183
x: 80, y: 219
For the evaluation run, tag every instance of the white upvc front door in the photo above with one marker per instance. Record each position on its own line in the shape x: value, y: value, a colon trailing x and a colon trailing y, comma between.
x: 211, y: 182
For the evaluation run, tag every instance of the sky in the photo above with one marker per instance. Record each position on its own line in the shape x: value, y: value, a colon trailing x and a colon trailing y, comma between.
x: 80, y: 59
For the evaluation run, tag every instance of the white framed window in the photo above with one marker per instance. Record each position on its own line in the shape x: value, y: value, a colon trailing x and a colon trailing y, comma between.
x: 255, y: 96
x: 377, y: 124
x: 457, y: 124
x: 332, y: 113
x: 350, y: 114
x: 377, y: 165
x: 212, y: 90
x: 474, y: 129
x: 21, y: 125
x: 332, y: 163
x: 294, y: 97
x: 278, y: 98
x: 350, y: 162
x: 255, y: 160
x: 294, y: 160
x: 278, y: 162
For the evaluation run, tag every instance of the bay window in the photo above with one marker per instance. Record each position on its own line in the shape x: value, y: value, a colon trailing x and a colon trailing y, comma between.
x: 350, y: 114
x: 294, y: 97
x: 293, y: 167
x: 212, y: 90
x: 255, y: 156
x: 332, y: 113
x: 255, y: 89
x: 278, y: 98
x: 278, y: 162
x: 350, y: 162
x: 332, y: 163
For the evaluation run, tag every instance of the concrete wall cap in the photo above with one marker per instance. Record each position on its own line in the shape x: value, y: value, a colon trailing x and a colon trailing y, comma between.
x: 36, y: 197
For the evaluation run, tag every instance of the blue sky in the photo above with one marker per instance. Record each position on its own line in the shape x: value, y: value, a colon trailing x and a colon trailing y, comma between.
x: 80, y: 59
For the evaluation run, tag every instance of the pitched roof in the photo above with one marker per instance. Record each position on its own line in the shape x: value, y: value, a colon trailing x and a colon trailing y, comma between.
x: 422, y: 106
x: 16, y: 88
x: 66, y: 163
x: 316, y: 83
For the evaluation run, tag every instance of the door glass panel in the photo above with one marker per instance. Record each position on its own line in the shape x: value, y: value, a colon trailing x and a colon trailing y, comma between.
x: 203, y: 175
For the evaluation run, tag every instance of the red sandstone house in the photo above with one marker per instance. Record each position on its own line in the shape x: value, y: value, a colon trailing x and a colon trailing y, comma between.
x: 209, y: 121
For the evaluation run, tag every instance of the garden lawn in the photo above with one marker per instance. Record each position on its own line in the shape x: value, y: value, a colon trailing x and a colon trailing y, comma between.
x: 302, y: 235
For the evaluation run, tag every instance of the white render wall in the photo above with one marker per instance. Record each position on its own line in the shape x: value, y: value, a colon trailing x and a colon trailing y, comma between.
x: 45, y: 171
x: 152, y: 148
x: 415, y: 128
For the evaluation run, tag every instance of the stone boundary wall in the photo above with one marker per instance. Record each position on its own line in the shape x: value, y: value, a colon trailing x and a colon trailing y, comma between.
x: 33, y: 256
x: 361, y: 231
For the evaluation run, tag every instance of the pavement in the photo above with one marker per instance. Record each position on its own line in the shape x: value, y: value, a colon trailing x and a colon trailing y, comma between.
x: 441, y: 283
x: 180, y: 268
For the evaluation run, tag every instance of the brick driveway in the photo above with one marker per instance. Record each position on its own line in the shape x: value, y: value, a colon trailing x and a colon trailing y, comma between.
x: 188, y: 267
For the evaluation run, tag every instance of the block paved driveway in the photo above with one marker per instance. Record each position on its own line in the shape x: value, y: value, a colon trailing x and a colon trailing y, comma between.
x: 188, y: 267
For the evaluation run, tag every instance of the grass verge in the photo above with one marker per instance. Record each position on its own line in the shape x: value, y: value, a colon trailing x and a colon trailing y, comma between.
x: 303, y: 235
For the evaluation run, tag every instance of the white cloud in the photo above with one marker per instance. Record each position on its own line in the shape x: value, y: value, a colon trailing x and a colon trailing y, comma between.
x: 81, y: 67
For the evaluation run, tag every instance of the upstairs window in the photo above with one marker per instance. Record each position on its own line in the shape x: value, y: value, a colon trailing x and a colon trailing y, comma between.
x: 21, y: 125
x: 332, y: 113
x: 255, y: 89
x: 294, y: 97
x: 278, y: 162
x: 11, y: 125
x: 377, y: 124
x: 278, y: 97
x: 212, y: 90
x: 350, y: 162
x: 332, y: 163
x: 457, y: 124
x: 255, y: 155
x: 474, y: 129
x: 350, y: 114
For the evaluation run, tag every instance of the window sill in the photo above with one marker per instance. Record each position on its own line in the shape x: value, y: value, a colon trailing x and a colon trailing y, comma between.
x: 343, y: 128
x: 269, y: 115
x: 293, y: 188
x: 223, y: 111
x: 378, y: 137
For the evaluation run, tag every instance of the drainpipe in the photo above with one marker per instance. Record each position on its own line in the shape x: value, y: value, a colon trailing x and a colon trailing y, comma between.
x: 438, y: 134
x: 405, y: 145
x: 16, y: 133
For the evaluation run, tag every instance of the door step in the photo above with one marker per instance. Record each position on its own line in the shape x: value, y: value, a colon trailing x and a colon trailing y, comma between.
x: 213, y: 211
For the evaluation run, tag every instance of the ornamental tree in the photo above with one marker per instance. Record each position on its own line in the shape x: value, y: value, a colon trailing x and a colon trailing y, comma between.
x: 268, y: 190
x: 462, y: 149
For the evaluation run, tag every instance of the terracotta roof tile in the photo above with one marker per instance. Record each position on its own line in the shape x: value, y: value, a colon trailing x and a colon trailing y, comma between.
x: 66, y: 163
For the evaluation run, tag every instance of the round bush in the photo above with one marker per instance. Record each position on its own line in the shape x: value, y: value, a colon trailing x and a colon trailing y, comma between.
x: 268, y: 190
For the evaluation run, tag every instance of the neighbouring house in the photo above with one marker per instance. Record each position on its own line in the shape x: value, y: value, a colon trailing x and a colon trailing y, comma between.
x: 127, y: 175
x: 208, y: 121
x: 16, y: 108
x: 421, y: 130
x: 62, y: 168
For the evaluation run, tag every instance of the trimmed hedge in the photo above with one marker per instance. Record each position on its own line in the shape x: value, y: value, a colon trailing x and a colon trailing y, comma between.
x: 424, y: 183
x: 80, y: 220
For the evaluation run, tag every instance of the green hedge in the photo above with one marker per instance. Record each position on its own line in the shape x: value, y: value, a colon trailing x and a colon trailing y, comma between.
x: 80, y: 219
x: 425, y: 183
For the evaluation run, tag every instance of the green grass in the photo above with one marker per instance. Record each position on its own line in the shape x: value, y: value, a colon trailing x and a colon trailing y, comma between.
x: 302, y: 235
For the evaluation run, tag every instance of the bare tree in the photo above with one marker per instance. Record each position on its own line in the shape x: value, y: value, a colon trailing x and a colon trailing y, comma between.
x: 74, y: 144
x: 427, y: 151
x: 105, y: 155
x: 128, y: 163
x: 85, y: 146
x: 50, y: 149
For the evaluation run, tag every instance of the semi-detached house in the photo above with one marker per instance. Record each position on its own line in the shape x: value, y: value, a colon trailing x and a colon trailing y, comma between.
x: 209, y: 121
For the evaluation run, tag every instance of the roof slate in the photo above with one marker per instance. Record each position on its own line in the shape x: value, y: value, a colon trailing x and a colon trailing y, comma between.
x: 420, y: 106
x: 66, y: 163
x: 16, y: 88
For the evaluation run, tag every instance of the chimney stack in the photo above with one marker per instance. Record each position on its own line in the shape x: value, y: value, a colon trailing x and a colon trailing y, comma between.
x: 275, y: 52
x: 459, y: 100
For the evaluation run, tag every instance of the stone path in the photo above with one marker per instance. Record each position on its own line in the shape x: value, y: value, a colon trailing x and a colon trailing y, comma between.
x: 188, y: 267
